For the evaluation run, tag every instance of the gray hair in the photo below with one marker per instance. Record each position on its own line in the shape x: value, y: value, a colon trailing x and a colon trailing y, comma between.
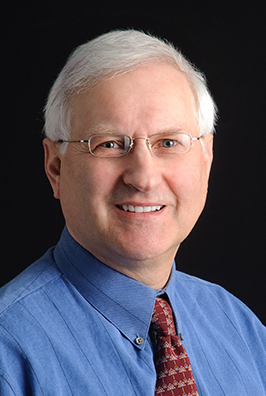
x: 113, y: 54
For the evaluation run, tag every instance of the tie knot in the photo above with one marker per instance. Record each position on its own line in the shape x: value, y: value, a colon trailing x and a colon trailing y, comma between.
x: 162, y: 318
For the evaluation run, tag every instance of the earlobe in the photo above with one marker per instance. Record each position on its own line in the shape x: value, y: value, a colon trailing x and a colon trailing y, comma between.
x: 52, y: 165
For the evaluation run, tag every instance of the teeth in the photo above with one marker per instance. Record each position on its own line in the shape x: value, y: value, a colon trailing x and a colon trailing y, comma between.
x: 141, y: 209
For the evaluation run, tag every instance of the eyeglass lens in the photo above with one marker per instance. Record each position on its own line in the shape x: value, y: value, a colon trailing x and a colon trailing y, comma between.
x: 116, y: 145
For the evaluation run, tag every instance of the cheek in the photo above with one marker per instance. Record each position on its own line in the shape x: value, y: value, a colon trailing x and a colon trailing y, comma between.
x: 87, y: 182
x: 100, y: 186
x: 189, y: 184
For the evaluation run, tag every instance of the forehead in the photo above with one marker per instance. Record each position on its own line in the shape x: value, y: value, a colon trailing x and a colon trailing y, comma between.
x: 151, y: 95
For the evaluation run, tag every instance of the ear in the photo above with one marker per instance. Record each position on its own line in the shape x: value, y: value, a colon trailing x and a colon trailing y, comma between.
x: 52, y: 164
x: 208, y: 152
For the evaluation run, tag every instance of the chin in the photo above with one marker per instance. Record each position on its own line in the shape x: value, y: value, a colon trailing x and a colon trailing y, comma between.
x: 146, y: 252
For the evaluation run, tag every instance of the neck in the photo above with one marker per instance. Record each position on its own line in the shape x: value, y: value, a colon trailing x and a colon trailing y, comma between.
x: 153, y: 273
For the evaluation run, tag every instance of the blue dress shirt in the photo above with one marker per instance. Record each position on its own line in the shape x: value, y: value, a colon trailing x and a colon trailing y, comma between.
x: 70, y: 325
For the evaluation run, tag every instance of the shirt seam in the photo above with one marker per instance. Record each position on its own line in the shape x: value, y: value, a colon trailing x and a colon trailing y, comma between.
x: 118, y: 355
x: 20, y: 298
x: 73, y: 337
x: 209, y: 286
x: 96, y: 287
x: 23, y: 352
x: 50, y: 344
x: 3, y: 375
x: 210, y: 366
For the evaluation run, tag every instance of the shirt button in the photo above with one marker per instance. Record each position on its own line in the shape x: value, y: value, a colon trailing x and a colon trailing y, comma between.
x: 139, y: 340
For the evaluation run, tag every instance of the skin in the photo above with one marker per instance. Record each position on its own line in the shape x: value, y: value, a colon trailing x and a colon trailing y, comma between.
x: 146, y: 101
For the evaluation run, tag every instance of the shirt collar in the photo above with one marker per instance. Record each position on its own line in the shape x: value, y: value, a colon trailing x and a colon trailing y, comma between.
x: 125, y: 302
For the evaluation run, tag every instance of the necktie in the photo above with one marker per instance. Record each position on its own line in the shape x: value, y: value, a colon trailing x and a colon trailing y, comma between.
x: 174, y: 373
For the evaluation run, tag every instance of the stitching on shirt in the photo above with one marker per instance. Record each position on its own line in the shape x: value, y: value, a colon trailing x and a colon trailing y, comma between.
x: 210, y: 285
x: 101, y: 291
x: 49, y: 342
x: 7, y: 382
x: 74, y: 339
x: 233, y: 325
x: 107, y: 332
x: 207, y: 285
x: 26, y: 288
x: 103, y: 323
x: 23, y: 352
x: 203, y: 351
x: 226, y: 351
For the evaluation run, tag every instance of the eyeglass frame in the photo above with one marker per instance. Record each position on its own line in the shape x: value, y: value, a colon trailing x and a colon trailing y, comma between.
x: 132, y: 140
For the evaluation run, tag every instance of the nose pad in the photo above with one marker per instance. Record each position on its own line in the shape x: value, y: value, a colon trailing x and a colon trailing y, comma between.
x: 148, y: 143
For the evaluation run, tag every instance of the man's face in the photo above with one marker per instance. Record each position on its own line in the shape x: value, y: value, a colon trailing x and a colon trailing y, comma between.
x: 93, y: 190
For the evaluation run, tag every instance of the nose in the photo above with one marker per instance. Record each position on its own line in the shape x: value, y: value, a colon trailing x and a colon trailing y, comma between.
x: 142, y: 170
x: 147, y: 140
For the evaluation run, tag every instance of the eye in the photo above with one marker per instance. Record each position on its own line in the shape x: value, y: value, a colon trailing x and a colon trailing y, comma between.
x: 111, y: 144
x: 169, y: 143
x: 107, y: 145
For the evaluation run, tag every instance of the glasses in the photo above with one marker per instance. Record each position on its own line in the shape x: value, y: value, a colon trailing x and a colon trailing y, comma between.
x: 117, y: 145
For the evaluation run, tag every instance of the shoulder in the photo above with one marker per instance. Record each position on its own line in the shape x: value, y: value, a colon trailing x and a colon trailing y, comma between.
x: 205, y: 292
x: 23, y: 304
x: 35, y: 277
x: 201, y: 288
x: 215, y: 302
x: 221, y: 330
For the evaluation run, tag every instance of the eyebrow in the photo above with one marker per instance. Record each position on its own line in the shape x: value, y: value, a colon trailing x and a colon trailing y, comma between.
x: 100, y: 129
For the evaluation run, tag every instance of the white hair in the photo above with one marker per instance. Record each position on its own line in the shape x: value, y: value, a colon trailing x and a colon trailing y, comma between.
x: 113, y: 54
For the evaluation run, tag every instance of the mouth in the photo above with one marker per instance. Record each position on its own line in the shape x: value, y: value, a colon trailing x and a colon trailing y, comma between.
x: 140, y: 209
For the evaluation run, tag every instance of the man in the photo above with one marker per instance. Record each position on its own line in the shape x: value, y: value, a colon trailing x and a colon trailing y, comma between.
x: 128, y: 151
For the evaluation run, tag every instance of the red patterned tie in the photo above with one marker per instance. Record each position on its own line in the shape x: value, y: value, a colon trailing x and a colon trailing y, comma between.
x: 174, y: 373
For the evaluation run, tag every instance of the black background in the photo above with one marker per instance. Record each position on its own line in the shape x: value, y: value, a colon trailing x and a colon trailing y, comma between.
x: 226, y: 40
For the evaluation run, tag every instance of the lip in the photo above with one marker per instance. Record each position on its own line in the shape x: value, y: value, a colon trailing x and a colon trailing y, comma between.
x: 140, y: 208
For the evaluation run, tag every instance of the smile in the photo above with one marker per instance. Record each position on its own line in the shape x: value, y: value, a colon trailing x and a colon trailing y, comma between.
x: 140, y: 209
